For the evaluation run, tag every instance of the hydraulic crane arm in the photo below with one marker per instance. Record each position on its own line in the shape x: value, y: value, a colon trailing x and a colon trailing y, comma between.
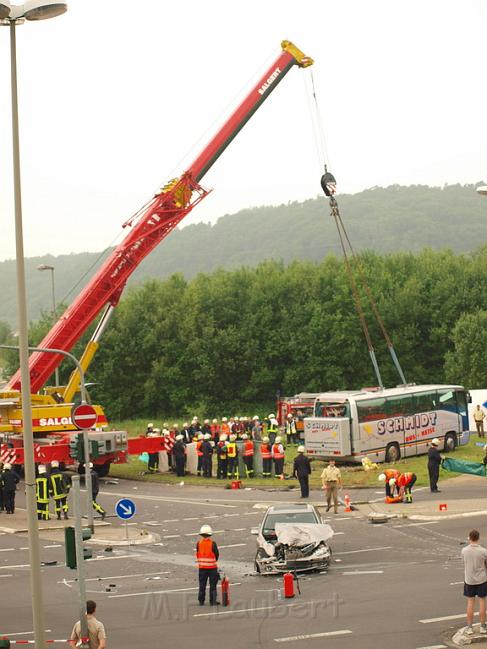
x: 150, y: 226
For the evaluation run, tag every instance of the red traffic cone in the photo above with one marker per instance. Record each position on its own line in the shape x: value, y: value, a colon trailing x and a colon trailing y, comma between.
x: 348, y: 507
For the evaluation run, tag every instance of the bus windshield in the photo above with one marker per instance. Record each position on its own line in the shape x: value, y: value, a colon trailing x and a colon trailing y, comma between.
x: 332, y: 409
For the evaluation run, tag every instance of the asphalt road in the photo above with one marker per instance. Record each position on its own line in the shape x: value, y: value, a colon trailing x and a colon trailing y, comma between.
x: 392, y: 584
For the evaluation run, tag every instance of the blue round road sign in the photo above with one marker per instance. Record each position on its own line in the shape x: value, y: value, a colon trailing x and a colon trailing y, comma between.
x: 125, y: 509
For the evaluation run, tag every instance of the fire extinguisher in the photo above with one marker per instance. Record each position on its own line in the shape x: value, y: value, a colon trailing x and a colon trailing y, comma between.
x: 288, y: 584
x: 225, y: 591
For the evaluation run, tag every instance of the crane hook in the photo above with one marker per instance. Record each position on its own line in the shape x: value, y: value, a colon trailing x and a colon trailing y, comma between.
x: 328, y: 183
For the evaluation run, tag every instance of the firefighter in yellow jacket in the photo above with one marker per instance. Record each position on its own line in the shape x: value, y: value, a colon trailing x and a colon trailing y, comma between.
x: 58, y: 489
x: 232, y: 457
x: 42, y: 494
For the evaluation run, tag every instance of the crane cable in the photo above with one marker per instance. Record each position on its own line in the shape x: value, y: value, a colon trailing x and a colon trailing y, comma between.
x: 328, y: 184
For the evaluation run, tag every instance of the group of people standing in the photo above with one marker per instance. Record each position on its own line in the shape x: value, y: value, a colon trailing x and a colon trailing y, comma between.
x: 227, y: 440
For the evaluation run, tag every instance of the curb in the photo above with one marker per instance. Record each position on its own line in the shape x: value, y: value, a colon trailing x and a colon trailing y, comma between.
x: 146, y: 539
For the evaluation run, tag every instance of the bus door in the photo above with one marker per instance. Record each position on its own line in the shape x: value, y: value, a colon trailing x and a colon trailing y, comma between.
x: 449, y: 417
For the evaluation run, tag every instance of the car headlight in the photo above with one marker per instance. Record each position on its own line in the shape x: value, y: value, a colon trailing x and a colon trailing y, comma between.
x: 322, y: 551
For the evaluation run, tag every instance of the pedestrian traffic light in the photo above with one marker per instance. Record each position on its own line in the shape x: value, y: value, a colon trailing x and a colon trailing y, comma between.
x: 70, y: 545
x: 76, y: 447
x: 96, y: 448
x: 4, y: 643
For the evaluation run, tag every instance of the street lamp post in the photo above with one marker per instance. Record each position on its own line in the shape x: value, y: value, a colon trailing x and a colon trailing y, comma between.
x: 54, y: 316
x: 11, y: 16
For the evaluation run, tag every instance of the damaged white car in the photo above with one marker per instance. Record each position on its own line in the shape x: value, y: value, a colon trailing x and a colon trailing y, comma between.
x: 292, y: 537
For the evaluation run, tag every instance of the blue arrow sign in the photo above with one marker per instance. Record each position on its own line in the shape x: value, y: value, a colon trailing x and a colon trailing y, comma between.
x: 125, y: 509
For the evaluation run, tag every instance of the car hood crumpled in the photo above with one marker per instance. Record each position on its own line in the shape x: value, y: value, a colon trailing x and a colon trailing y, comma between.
x: 303, y: 533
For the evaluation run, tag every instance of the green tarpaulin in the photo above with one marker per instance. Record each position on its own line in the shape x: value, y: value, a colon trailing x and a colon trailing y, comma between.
x: 463, y: 466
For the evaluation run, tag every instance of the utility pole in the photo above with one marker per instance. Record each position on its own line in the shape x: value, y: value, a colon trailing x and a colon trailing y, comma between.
x: 80, y: 565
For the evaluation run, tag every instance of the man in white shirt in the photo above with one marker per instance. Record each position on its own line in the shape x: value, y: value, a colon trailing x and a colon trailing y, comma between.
x: 475, y: 561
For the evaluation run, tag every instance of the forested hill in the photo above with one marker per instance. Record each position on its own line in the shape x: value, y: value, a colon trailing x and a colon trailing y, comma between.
x: 388, y: 219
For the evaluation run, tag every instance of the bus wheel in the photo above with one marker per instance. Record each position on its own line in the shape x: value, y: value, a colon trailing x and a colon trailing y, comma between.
x: 102, y: 469
x: 393, y: 453
x: 450, y: 442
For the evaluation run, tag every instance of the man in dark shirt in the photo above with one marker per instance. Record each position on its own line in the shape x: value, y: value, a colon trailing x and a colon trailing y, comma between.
x: 9, y: 482
x: 434, y: 461
x: 302, y: 471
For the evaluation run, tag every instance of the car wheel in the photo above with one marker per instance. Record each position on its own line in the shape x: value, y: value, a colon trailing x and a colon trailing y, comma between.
x: 393, y: 453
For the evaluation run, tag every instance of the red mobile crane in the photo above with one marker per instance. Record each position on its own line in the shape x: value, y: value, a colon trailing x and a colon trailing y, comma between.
x: 52, y: 424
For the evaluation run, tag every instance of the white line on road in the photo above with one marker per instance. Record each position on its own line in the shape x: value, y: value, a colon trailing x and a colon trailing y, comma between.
x: 239, y: 529
x: 1, y: 576
x: 364, y: 572
x: 195, y: 518
x: 338, y: 533
x: 242, y: 610
x: 443, y: 619
x: 53, y: 546
x: 162, y: 592
x: 171, y: 520
x: 171, y: 536
x: 213, y: 516
x: 325, y: 634
x: 420, y: 524
x: 435, y: 646
x: 456, y: 583
x: 345, y: 518
x: 8, y: 549
x: 140, y: 574
x: 234, y: 545
x: 386, y: 547
x: 182, y: 501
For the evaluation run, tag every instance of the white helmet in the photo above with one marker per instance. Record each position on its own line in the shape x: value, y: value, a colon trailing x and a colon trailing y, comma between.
x: 223, y: 437
x: 301, y: 449
x: 91, y: 465
x: 150, y: 424
x: 265, y: 439
x: 272, y: 416
x: 206, y: 529
x: 200, y: 436
x: 435, y: 442
x: 233, y: 437
x: 382, y: 477
x: 175, y: 425
x: 54, y: 464
x: 392, y: 482
x: 7, y: 466
x: 207, y: 421
x: 179, y: 437
x: 185, y: 425
x: 207, y: 436
x: 195, y: 418
x: 289, y: 416
x: 278, y: 440
x: 42, y: 469
x: 214, y: 421
x: 165, y: 425
x: 255, y: 418
x: 245, y: 436
x: 242, y: 418
x: 224, y: 419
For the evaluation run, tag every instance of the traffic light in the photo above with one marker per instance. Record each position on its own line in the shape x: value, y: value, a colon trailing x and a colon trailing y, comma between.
x: 70, y: 545
x: 76, y: 447
x: 96, y: 448
x: 4, y: 643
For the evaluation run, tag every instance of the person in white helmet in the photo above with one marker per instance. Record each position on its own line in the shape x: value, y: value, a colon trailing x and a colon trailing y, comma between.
x: 248, y: 455
x: 59, y: 487
x: 207, y: 455
x: 302, y: 471
x: 179, y: 454
x: 256, y: 428
x: 153, y: 463
x: 266, y: 454
x: 272, y: 428
x: 434, y: 461
x: 42, y: 494
x: 278, y: 457
x: 9, y: 480
x: 222, y: 458
x: 291, y: 432
x: 207, y: 556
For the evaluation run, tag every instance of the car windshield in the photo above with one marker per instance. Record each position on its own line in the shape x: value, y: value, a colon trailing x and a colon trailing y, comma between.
x: 289, y: 517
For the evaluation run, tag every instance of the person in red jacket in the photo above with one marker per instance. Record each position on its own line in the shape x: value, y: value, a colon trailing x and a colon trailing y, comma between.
x: 278, y: 457
x: 387, y: 475
x: 207, y: 557
x: 266, y: 453
x: 405, y: 483
x: 248, y: 455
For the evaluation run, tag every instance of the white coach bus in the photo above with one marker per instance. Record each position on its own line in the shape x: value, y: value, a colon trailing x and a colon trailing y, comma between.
x: 387, y: 424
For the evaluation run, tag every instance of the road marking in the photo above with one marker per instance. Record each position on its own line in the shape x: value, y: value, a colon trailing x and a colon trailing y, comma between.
x: 239, y: 529
x: 443, y: 619
x: 140, y: 574
x: 242, y: 610
x: 195, y: 518
x: 345, y: 518
x: 386, y: 547
x: 420, y: 524
x: 456, y: 583
x: 171, y: 536
x: 434, y: 646
x: 338, y: 533
x: 234, y: 545
x: 8, y: 549
x: 161, y: 592
x: 54, y: 546
x: 171, y: 520
x: 182, y: 501
x: 325, y: 634
x: 364, y: 572
x: 1, y: 576
x: 213, y: 516
x: 9, y: 635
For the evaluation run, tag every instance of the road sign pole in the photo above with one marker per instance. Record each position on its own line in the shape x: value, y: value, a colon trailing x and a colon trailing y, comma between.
x: 88, y: 484
x: 80, y: 564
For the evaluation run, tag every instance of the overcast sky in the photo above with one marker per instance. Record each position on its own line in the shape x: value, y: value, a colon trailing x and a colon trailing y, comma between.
x: 117, y: 96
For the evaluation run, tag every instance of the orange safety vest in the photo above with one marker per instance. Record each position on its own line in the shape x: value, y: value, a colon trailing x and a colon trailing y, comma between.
x: 231, y: 449
x: 248, y: 448
x: 404, y: 479
x: 215, y: 430
x: 265, y: 451
x: 391, y: 473
x: 204, y: 554
x: 226, y: 429
x: 277, y: 454
x: 198, y: 449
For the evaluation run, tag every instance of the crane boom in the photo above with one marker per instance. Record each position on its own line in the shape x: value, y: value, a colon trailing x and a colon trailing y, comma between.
x: 150, y: 226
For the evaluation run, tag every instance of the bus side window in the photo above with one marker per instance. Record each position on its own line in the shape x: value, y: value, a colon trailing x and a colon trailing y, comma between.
x: 400, y: 406
x: 447, y: 400
x: 371, y: 410
x: 425, y: 401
